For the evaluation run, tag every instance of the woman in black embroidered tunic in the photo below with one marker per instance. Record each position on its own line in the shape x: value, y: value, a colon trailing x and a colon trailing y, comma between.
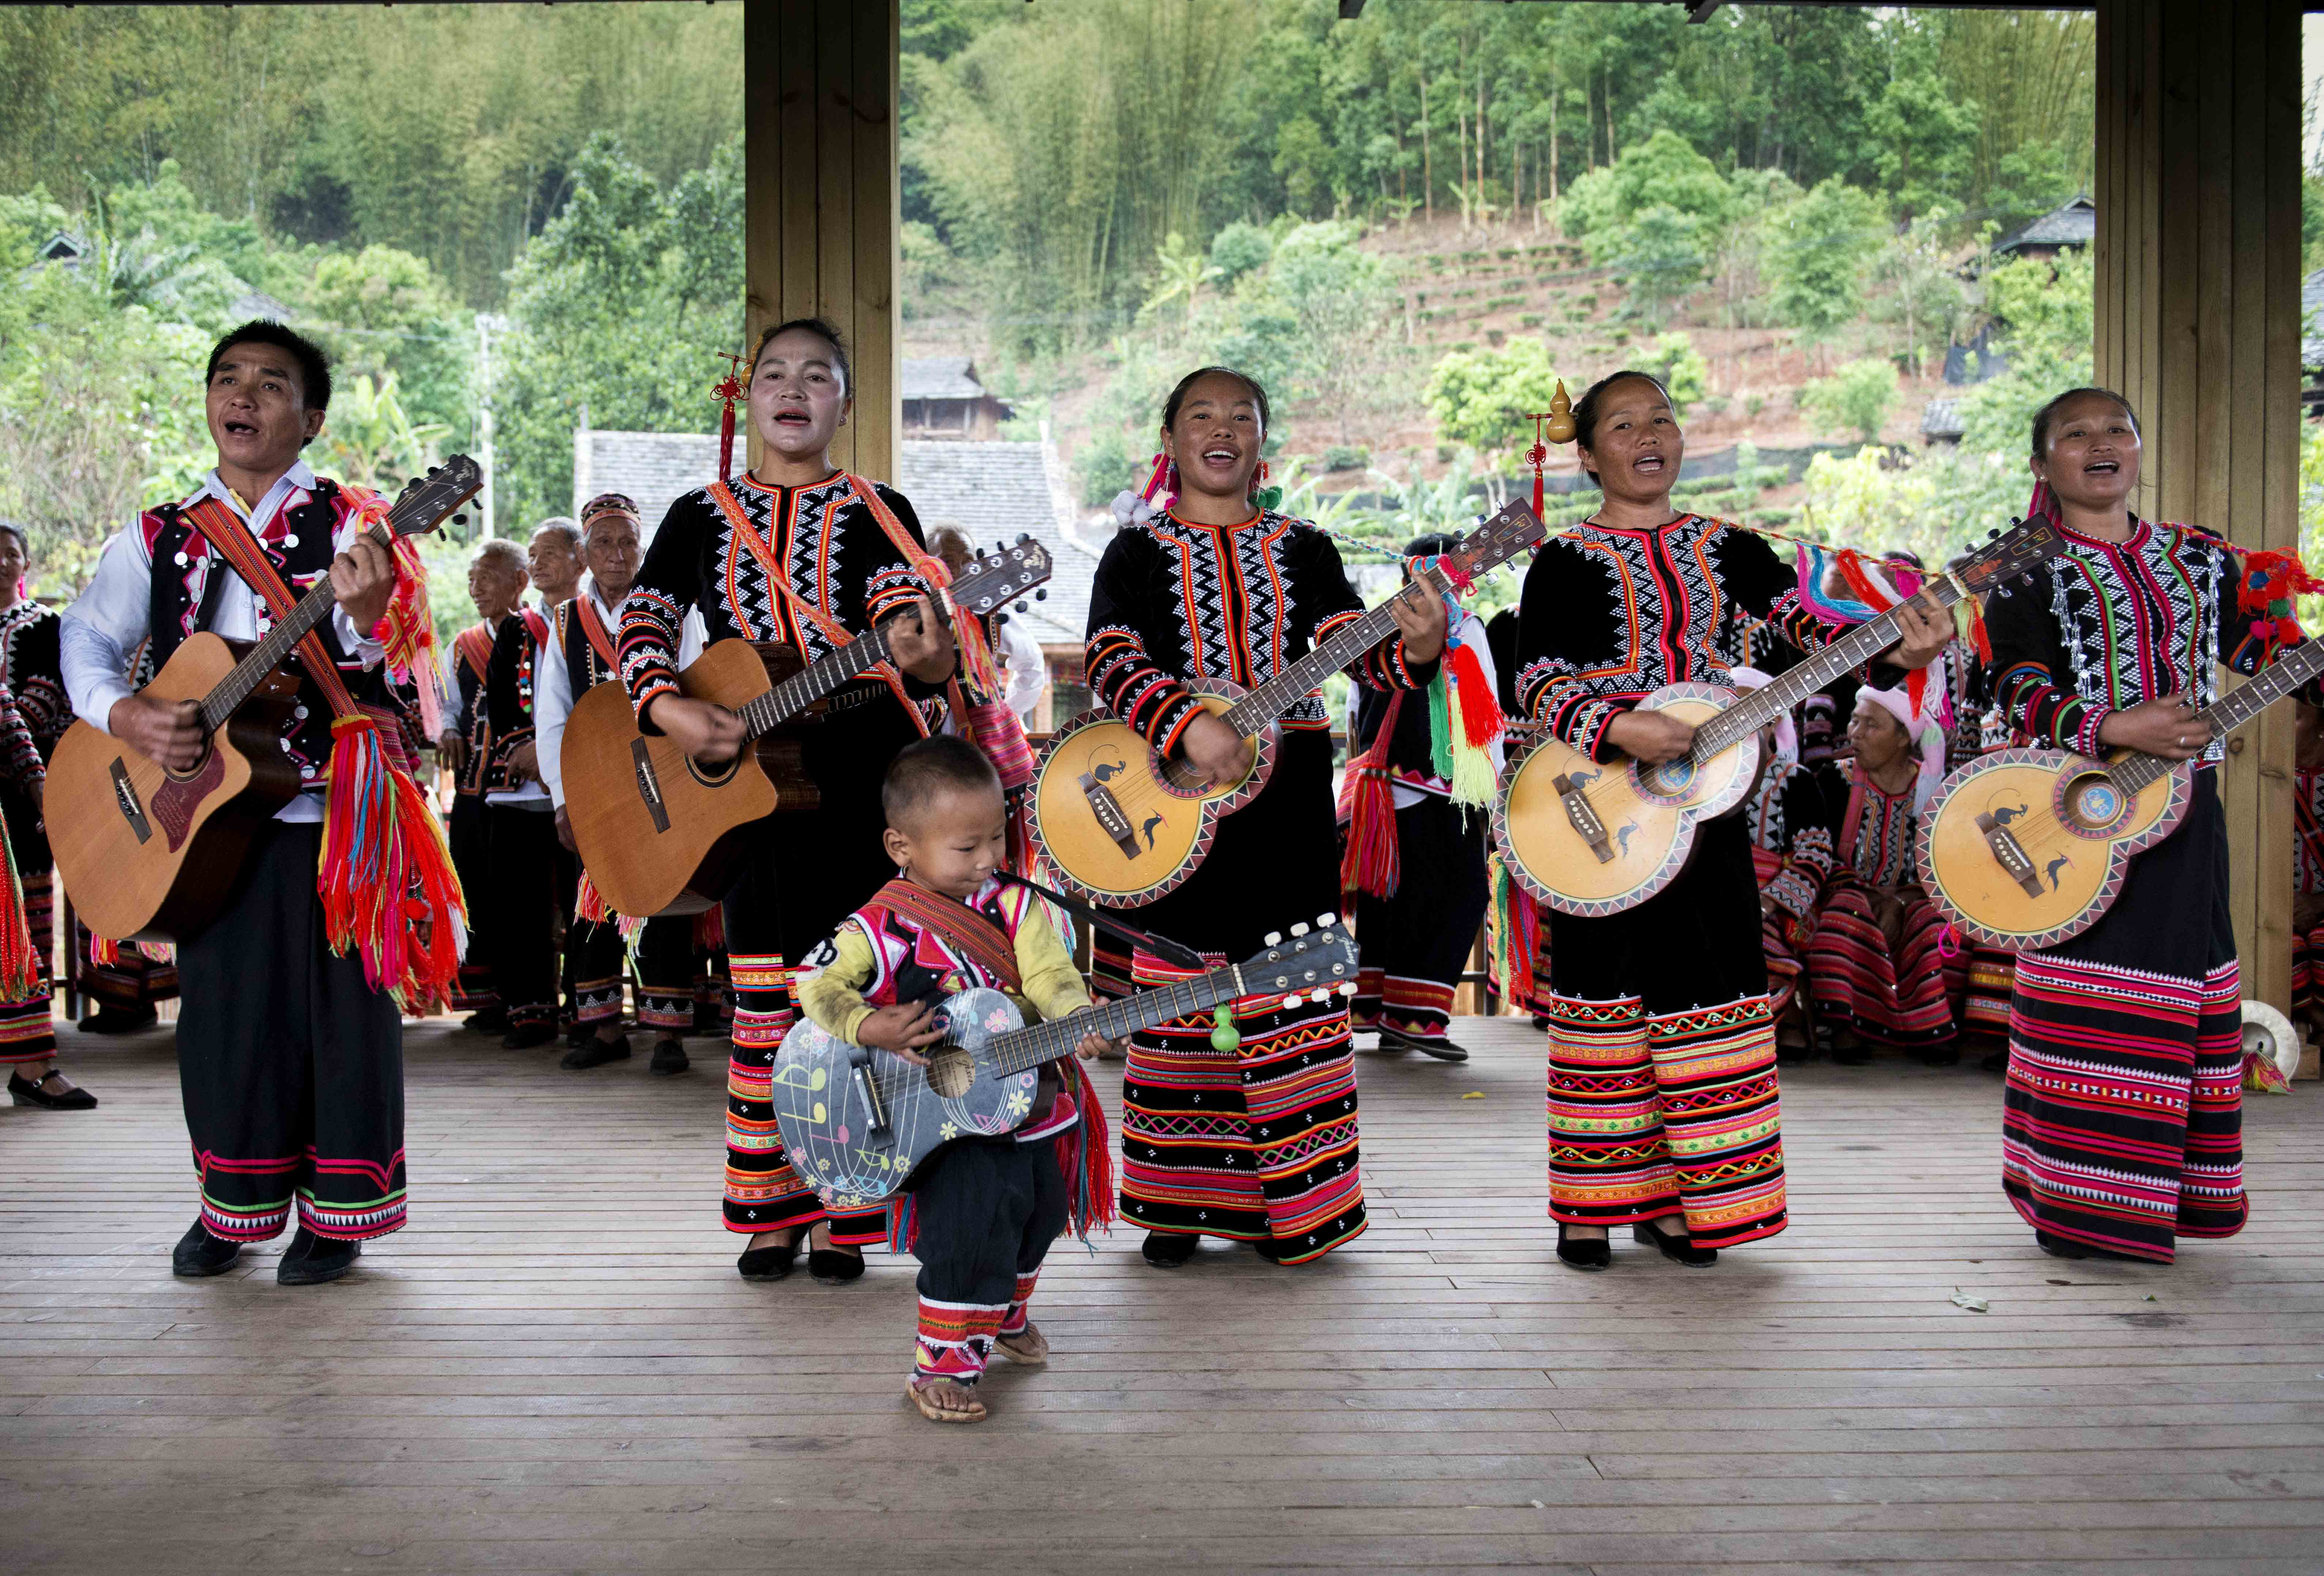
x: 1260, y: 1144
x: 1663, y: 1111
x: 800, y: 552
x: 2122, y: 1127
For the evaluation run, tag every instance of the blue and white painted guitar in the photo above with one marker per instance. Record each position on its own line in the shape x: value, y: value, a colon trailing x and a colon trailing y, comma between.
x: 857, y: 1122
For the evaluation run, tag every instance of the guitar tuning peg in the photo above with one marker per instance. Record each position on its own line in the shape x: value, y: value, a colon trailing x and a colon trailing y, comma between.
x: 1300, y: 928
x: 999, y: 618
x: 1349, y: 989
x: 1273, y: 938
x: 1292, y: 999
x: 1042, y: 594
x: 1326, y: 920
x: 1023, y: 537
x: 459, y: 520
x: 1024, y: 606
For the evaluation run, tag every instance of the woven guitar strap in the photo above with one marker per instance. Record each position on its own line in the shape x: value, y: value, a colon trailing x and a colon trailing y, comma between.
x: 385, y: 875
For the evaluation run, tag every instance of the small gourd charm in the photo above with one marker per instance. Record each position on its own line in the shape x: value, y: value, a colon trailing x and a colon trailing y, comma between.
x: 1224, y: 1040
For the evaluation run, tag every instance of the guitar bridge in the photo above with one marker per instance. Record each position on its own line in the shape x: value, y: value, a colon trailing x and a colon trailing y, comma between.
x: 124, y: 794
x: 1584, y: 819
x: 2009, y: 855
x: 649, y: 784
x: 1110, y: 816
x: 867, y: 1090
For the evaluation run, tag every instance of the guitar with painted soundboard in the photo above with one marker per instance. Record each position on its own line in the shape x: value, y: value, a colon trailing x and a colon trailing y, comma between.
x: 857, y: 1122
x: 2026, y: 848
x: 1590, y: 837
x: 1120, y: 824
x: 150, y: 854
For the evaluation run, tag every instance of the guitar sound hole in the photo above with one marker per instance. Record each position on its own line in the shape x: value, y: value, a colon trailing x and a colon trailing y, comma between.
x: 715, y: 776
x: 951, y: 1071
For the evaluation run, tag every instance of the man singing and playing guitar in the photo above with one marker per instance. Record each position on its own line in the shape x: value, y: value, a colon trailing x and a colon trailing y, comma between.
x: 1663, y: 1111
x: 290, y: 1059
x: 800, y: 553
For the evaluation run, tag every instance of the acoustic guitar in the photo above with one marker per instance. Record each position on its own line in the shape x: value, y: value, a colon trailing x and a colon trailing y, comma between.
x: 150, y: 854
x: 1120, y: 824
x: 662, y: 833
x: 857, y: 1122
x: 2027, y: 848
x: 1591, y: 838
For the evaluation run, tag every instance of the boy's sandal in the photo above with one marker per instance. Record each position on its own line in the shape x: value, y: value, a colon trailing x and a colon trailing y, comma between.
x: 925, y: 1397
x: 1029, y: 1346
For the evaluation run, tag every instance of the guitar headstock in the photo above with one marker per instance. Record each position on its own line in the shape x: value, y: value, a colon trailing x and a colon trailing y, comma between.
x: 1320, y: 961
x: 2008, y: 554
x: 426, y: 499
x: 1001, y: 576
x: 1512, y: 529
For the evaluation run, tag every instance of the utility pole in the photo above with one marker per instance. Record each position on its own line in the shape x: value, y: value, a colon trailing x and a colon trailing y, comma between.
x: 487, y: 325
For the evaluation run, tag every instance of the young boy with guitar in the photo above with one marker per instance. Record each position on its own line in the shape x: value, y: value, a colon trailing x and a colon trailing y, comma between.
x: 982, y: 1212
x: 290, y: 1059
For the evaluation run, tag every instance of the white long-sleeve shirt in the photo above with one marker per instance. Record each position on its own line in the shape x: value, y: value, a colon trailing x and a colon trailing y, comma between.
x: 552, y: 688
x: 1029, y: 670
x: 102, y: 630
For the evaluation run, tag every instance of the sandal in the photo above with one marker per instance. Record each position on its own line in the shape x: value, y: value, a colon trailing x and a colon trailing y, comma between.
x: 922, y: 1396
x: 1028, y: 1347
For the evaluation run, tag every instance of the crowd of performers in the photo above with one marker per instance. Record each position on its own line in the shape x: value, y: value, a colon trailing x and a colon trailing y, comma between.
x: 1798, y: 927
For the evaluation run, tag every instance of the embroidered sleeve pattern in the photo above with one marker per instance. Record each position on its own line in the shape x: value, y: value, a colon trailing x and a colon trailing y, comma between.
x: 20, y: 757
x: 1134, y: 689
x: 668, y: 582
x: 2035, y: 706
x: 1807, y: 866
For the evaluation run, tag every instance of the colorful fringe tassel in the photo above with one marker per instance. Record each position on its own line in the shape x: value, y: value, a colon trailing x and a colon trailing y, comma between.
x: 21, y: 971
x: 1515, y: 936
x: 386, y: 880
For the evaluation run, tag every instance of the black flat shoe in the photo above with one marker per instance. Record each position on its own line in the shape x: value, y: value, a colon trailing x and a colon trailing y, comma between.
x: 527, y: 1036
x: 2058, y: 1248
x: 578, y: 1035
x: 1167, y: 1249
x: 1443, y: 1050
x: 1996, y: 1061
x: 1678, y: 1250
x: 119, y: 1020
x: 772, y: 1262
x: 1944, y: 1055
x: 490, y: 1020
x: 669, y: 1059
x: 310, y: 1261
x: 1269, y: 1248
x: 34, y: 1092
x: 833, y: 1268
x: 1591, y: 1253
x: 198, y: 1253
x: 594, y: 1052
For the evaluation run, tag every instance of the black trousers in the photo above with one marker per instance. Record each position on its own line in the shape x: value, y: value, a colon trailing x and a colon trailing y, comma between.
x: 291, y: 1066
x: 523, y: 941
x: 471, y: 861
x: 984, y: 1215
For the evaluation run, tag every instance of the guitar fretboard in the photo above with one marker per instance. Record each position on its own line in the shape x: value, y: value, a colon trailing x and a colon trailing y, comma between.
x: 1271, y: 699
x: 1049, y: 1042
x: 270, y: 653
x: 1844, y: 655
x: 2230, y: 711
x: 823, y: 678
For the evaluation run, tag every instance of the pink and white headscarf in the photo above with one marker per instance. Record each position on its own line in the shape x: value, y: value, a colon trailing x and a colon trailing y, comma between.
x: 1925, y: 732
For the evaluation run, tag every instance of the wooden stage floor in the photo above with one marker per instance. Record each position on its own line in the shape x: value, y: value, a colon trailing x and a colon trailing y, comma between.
x: 555, y: 1368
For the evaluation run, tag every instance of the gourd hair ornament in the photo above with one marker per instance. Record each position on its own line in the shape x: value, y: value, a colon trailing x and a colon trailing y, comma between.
x: 1554, y: 425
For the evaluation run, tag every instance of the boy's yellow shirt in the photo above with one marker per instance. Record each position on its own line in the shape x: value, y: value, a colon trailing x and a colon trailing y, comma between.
x: 829, y: 988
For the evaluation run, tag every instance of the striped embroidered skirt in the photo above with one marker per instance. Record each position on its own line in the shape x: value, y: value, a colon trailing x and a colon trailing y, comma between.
x: 1779, y: 941
x: 1662, y: 1096
x: 1890, y: 977
x: 28, y: 1031
x: 1248, y: 1144
x: 2122, y: 1125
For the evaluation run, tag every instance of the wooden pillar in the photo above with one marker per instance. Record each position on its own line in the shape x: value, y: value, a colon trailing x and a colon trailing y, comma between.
x: 2198, y: 124
x: 821, y: 216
